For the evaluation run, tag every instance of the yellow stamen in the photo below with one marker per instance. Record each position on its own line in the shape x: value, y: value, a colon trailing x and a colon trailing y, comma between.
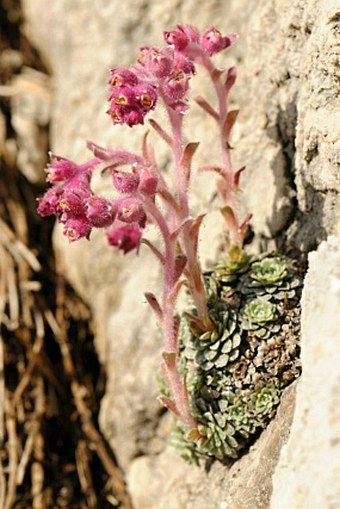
x: 146, y: 101
x: 121, y: 100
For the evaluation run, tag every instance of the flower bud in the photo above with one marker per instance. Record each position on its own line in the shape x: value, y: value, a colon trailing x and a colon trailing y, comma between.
x: 212, y: 41
x: 156, y: 62
x: 177, y: 38
x: 147, y: 181
x: 126, y: 238
x: 125, y: 182
x: 99, y: 211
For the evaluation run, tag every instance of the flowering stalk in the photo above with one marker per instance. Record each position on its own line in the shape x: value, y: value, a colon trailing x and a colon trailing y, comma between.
x: 142, y: 195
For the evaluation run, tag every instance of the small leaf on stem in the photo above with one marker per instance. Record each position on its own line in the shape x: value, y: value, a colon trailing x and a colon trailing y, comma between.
x: 154, y: 249
x: 180, y: 263
x: 230, y: 78
x: 232, y: 224
x: 216, y: 169
x: 149, y: 153
x: 197, y: 323
x: 168, y: 198
x: 229, y: 122
x: 216, y: 74
x: 236, y: 178
x: 194, y: 230
x: 178, y: 230
x: 244, y: 226
x: 169, y: 359
x: 188, y: 154
x: 169, y: 404
x: 159, y: 130
x: 229, y: 216
x: 207, y: 107
x: 153, y: 302
x: 116, y: 157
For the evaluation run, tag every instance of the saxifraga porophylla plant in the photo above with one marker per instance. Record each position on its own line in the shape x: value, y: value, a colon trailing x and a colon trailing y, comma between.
x: 142, y: 196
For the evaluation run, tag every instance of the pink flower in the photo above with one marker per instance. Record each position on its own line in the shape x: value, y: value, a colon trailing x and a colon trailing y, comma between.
x: 156, y: 62
x: 99, y: 211
x: 126, y: 114
x: 126, y: 238
x: 183, y: 63
x: 124, y: 96
x: 129, y: 210
x: 60, y: 169
x: 177, y: 38
x: 122, y: 77
x: 49, y: 203
x: 191, y: 32
x: 129, y: 104
x: 77, y: 228
x: 212, y: 41
x: 72, y: 202
x: 175, y: 87
x: 146, y: 96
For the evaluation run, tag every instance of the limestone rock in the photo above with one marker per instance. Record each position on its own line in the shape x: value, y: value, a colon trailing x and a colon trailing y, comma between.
x: 30, y: 104
x: 308, y: 473
x: 290, y: 103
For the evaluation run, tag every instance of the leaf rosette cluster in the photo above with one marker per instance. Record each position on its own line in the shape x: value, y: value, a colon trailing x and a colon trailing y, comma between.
x: 237, y: 372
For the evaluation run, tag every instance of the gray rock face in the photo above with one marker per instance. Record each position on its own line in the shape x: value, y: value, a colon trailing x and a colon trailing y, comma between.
x: 308, y: 473
x: 288, y: 138
x: 290, y: 100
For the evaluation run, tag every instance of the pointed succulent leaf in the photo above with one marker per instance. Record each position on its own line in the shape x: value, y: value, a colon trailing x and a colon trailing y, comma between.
x: 188, y: 154
x: 229, y: 122
x: 169, y: 404
x: 222, y: 361
x: 236, y: 178
x: 194, y: 230
x: 230, y: 78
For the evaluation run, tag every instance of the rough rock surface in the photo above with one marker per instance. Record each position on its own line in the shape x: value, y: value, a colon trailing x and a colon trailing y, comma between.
x: 292, y: 115
x: 308, y: 473
x: 287, y: 136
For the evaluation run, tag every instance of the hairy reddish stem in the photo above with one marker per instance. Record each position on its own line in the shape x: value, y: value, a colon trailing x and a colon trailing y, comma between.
x: 195, y: 278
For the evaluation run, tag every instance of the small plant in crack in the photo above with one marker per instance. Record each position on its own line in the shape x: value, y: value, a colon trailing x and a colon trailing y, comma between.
x: 236, y: 306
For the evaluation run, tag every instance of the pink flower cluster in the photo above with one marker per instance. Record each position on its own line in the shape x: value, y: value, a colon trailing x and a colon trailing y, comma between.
x: 161, y: 73
x: 80, y: 210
